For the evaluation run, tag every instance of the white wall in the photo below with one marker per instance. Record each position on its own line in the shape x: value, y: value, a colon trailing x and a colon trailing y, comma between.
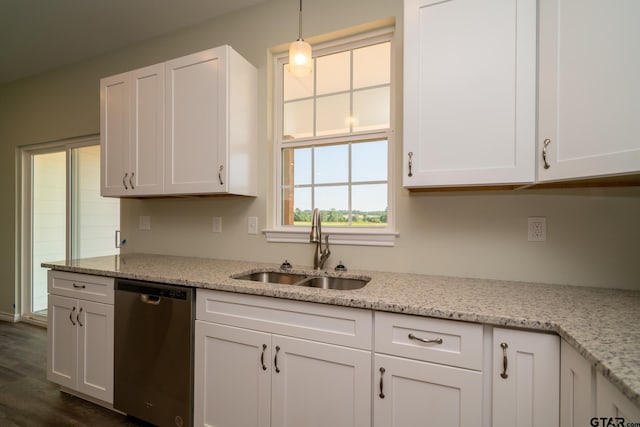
x: 593, y: 234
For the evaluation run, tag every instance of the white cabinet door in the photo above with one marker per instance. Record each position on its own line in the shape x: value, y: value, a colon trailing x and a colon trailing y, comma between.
x: 611, y: 403
x: 62, y: 341
x: 319, y: 385
x: 196, y: 124
x: 233, y: 376
x: 132, y: 132
x: 526, y: 369
x: 409, y: 393
x: 95, y: 349
x: 577, y: 388
x: 589, y: 88
x: 469, y: 92
x: 146, y: 148
x: 115, y: 129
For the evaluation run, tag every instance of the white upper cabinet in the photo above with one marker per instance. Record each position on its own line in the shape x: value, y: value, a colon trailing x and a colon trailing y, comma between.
x: 187, y: 126
x: 589, y: 88
x: 469, y: 92
x: 211, y: 121
x: 132, y: 134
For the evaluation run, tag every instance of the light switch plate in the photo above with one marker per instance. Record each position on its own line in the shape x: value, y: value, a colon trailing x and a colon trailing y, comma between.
x: 252, y: 225
x: 144, y: 222
x: 217, y: 224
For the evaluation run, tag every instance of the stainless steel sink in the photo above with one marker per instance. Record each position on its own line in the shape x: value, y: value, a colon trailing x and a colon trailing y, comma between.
x: 337, y: 283
x: 298, y: 279
x: 273, y: 277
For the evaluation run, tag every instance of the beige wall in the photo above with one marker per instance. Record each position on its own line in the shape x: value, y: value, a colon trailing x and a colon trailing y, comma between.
x: 593, y: 236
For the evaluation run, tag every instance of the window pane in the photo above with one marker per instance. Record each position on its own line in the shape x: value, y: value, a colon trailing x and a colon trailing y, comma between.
x: 371, y: 109
x: 296, y: 166
x: 369, y: 205
x: 333, y: 203
x: 49, y: 224
x: 333, y: 73
x: 95, y: 219
x: 333, y: 114
x: 296, y: 87
x: 372, y: 65
x: 298, y: 119
x: 369, y: 161
x: 296, y: 206
x: 331, y: 164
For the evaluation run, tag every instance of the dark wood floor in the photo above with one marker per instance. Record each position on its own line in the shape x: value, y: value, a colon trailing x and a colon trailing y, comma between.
x: 26, y: 397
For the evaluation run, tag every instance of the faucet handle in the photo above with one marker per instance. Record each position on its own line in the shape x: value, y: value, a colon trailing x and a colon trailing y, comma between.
x: 341, y: 267
x: 286, y: 265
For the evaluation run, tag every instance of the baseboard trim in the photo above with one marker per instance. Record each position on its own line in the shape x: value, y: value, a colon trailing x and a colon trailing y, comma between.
x: 9, y: 317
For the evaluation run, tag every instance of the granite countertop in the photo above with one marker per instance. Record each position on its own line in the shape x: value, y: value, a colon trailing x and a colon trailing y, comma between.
x: 602, y: 324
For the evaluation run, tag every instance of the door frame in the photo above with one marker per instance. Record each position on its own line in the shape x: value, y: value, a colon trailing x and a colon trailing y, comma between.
x: 24, y: 211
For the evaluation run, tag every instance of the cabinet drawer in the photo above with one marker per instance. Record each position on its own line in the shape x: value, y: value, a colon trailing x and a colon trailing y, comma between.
x: 452, y: 342
x: 345, y: 326
x: 82, y: 286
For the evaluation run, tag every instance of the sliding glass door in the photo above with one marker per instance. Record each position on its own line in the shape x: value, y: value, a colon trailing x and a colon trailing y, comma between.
x: 63, y: 214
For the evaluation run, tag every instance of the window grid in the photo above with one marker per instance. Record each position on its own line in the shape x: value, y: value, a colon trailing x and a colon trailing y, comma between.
x: 348, y: 138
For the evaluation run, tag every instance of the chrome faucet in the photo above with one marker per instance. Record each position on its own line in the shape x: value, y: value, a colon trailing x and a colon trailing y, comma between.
x: 321, y: 255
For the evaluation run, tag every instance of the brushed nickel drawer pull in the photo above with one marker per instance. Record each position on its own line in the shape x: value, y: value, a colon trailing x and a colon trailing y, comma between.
x: 504, y: 347
x: 275, y: 359
x: 544, y: 153
x: 220, y: 174
x: 124, y: 180
x: 73, y: 310
x: 79, y: 286
x: 410, y: 163
x: 131, y: 181
x: 264, y: 348
x: 78, y: 317
x: 433, y: 341
x: 382, y: 371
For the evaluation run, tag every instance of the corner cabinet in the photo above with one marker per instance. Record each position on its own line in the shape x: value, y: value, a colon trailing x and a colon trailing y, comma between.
x: 186, y: 126
x: 589, y: 89
x: 469, y: 92
x: 80, y: 334
x: 267, y: 362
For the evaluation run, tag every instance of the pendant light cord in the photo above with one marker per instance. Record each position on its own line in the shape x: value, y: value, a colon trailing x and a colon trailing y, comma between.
x: 300, y: 22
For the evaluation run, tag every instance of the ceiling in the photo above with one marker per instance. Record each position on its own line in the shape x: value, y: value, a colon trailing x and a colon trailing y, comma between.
x: 39, y: 35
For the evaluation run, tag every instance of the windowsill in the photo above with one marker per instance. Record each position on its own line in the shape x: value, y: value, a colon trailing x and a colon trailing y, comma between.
x: 336, y: 237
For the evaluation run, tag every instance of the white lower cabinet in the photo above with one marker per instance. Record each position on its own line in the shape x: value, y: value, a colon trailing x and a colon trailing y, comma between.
x: 80, y: 341
x: 431, y: 374
x: 588, y: 398
x: 247, y: 373
x: 410, y: 393
x: 525, y: 384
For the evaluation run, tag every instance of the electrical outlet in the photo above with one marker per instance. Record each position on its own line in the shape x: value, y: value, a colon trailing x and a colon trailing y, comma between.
x: 144, y: 222
x: 537, y: 229
x: 217, y: 224
x: 252, y: 225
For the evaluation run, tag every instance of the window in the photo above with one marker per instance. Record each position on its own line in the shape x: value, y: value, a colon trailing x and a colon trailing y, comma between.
x: 334, y: 138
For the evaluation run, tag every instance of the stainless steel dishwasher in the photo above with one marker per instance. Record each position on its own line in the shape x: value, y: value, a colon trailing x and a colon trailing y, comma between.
x: 153, y: 350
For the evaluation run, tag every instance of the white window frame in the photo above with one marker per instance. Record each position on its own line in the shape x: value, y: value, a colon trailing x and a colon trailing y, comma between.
x: 370, y: 236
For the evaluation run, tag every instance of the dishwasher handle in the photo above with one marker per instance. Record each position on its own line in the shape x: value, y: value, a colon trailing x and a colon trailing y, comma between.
x: 150, y: 299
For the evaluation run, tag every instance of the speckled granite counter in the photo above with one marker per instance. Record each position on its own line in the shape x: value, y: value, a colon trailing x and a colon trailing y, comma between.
x: 602, y: 324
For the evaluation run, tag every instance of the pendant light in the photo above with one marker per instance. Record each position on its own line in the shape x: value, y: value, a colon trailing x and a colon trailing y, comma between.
x: 300, y: 52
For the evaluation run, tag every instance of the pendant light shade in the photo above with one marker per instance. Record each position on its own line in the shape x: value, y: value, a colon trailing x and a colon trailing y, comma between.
x: 300, y: 52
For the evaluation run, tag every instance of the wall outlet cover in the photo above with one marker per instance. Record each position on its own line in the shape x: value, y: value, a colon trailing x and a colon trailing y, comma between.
x: 537, y: 229
x: 144, y: 222
x: 217, y: 224
x: 252, y: 225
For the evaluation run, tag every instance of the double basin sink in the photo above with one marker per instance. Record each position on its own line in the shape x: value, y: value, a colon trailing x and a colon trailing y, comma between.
x: 297, y: 279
